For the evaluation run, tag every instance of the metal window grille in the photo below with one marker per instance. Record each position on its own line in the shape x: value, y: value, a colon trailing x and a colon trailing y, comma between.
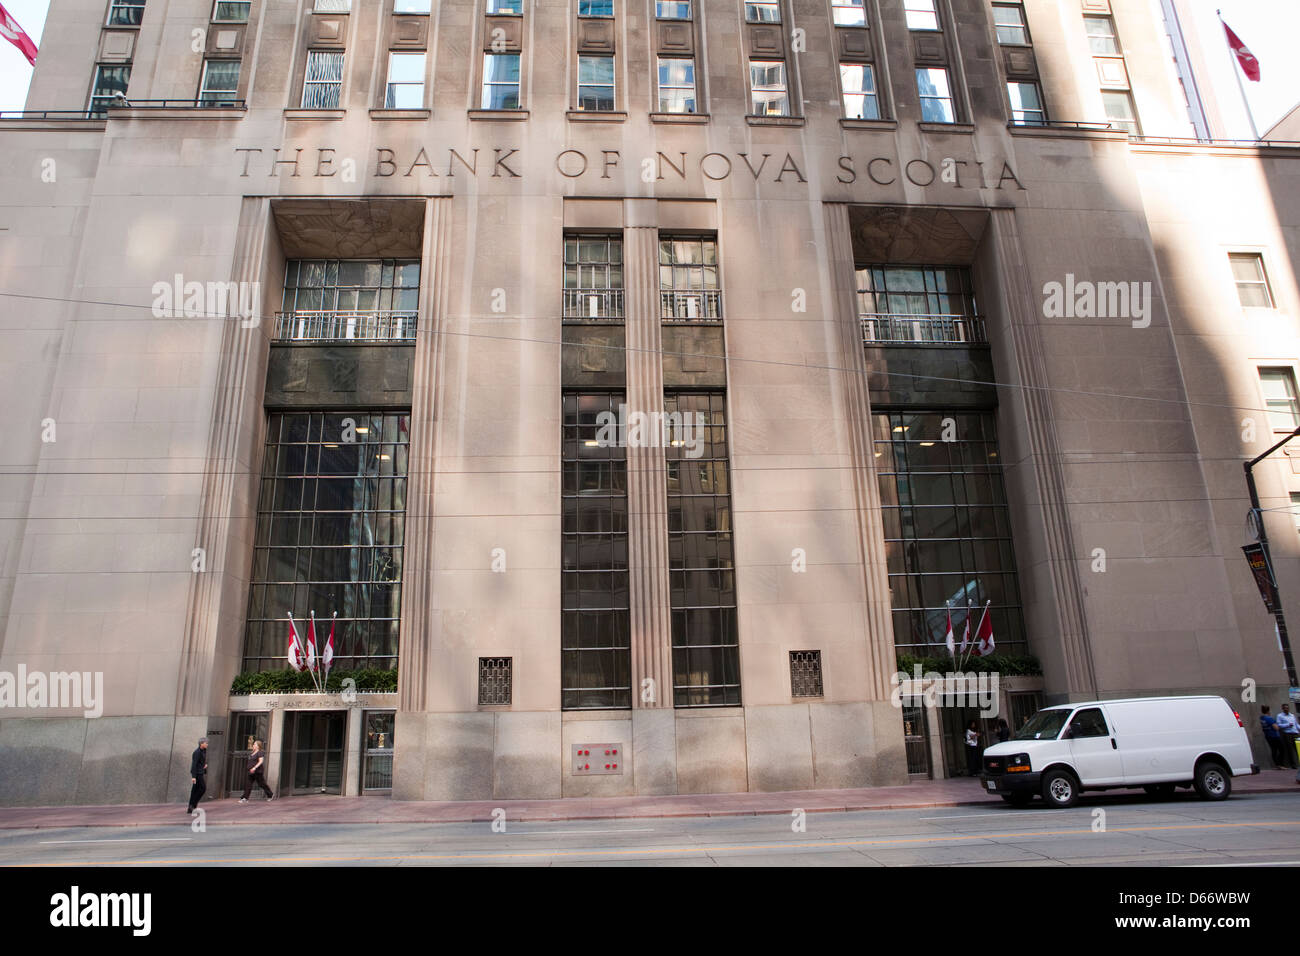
x: 494, y: 679
x: 806, y: 673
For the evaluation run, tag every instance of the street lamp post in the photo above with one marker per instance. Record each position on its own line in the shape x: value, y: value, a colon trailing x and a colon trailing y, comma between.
x: 1262, y: 534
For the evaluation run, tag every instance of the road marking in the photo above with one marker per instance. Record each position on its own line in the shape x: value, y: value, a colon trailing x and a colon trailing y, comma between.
x: 998, y: 813
x: 544, y: 832
x: 1211, y: 866
x: 134, y: 840
x: 650, y: 851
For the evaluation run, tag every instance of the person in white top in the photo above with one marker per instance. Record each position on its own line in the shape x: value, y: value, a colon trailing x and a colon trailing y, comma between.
x: 1289, y: 728
x: 973, y: 749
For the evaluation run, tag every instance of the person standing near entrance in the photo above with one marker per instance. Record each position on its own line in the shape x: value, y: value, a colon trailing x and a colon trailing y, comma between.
x: 256, y: 773
x: 1268, y: 723
x: 198, y: 774
x: 1290, y: 731
x: 972, y: 749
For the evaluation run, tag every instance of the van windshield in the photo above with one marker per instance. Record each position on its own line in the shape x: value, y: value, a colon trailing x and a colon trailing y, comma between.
x: 1044, y: 725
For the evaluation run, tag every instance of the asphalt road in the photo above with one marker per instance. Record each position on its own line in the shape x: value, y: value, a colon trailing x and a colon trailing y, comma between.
x: 1260, y: 829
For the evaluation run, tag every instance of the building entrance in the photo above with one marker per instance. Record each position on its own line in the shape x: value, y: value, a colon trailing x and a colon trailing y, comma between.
x: 313, y: 759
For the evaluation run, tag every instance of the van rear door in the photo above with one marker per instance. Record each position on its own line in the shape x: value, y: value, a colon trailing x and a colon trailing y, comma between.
x: 1093, y: 749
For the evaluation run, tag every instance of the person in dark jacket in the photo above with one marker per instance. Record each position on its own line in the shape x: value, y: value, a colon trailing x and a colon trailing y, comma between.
x: 1272, y: 737
x: 198, y: 774
x: 1004, y: 732
x: 256, y: 773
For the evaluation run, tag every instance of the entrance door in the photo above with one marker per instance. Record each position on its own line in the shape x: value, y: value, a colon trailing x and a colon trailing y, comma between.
x: 316, y: 755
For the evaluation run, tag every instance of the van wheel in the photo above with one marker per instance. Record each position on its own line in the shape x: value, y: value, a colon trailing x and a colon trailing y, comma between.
x: 1017, y: 799
x: 1161, y: 791
x: 1060, y: 789
x: 1213, y: 782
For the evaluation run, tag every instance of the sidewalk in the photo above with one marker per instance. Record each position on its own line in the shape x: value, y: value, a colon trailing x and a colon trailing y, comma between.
x: 959, y: 791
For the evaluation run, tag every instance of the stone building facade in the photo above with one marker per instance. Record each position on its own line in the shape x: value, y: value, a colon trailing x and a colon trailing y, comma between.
x: 322, y: 309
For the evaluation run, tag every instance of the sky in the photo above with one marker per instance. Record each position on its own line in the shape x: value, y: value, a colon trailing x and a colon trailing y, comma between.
x: 1269, y: 28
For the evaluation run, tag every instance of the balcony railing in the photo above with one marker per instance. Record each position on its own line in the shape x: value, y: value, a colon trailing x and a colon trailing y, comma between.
x: 336, y: 326
x: 593, y: 305
x: 697, y: 305
x: 881, y: 328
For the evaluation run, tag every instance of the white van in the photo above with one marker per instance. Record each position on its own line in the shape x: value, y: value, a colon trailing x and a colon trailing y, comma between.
x: 1157, y: 743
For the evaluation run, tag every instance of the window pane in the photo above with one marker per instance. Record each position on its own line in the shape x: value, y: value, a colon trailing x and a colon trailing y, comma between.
x: 921, y: 15
x: 848, y: 13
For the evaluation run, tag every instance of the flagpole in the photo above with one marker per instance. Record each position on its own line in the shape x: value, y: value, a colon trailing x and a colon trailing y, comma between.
x: 1236, y: 72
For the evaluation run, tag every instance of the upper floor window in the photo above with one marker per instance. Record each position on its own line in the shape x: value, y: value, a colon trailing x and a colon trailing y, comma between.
x: 220, y: 81
x: 770, y: 94
x: 596, y: 83
x: 323, y: 81
x: 125, y: 13
x: 333, y: 6
x: 345, y: 300
x: 1252, y: 281
x: 1009, y: 21
x: 921, y: 15
x: 1119, y: 110
x: 230, y: 11
x: 593, y: 277
x: 859, y: 85
x: 762, y: 12
x: 936, y: 96
x: 676, y: 85
x: 405, y: 89
x: 673, y: 9
x: 412, y: 6
x: 110, y: 80
x: 688, y: 279
x: 500, y: 81
x: 1026, y: 103
x: 1278, y: 385
x: 935, y: 304
x: 1101, y: 35
x: 595, y: 8
x: 848, y: 13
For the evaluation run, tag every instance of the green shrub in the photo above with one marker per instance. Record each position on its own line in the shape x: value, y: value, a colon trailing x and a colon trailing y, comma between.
x: 281, y: 681
x: 1007, y: 665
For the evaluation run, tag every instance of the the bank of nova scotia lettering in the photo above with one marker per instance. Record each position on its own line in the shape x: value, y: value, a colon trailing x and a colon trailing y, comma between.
x: 774, y: 165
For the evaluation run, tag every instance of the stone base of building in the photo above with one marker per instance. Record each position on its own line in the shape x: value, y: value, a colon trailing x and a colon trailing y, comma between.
x: 508, y: 755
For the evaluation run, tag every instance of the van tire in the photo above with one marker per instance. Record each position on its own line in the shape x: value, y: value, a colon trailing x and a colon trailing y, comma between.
x: 1018, y: 799
x: 1213, y: 781
x: 1060, y: 789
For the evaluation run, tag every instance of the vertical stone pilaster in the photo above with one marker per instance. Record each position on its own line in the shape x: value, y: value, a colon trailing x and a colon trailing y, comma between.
x: 417, y: 587
x: 866, y: 489
x: 1031, y: 374
x: 647, y: 482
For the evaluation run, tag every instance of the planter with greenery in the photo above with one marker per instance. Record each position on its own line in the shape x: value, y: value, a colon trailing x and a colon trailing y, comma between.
x: 281, y: 681
x: 1007, y: 665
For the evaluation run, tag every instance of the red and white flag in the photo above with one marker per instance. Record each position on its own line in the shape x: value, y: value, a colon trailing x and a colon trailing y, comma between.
x: 311, y: 643
x: 947, y: 638
x: 984, y: 636
x: 295, y: 648
x: 11, y: 31
x: 965, y: 634
x: 1249, y: 65
x: 327, y: 658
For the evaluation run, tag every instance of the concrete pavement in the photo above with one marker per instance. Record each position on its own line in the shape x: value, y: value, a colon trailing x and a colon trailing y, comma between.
x: 308, y: 810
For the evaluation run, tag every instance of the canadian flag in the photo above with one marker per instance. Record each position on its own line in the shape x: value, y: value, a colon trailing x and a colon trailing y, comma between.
x: 311, y: 642
x: 11, y: 31
x: 984, y: 636
x: 295, y: 648
x: 947, y: 638
x: 327, y: 658
x: 1249, y: 65
x: 965, y: 635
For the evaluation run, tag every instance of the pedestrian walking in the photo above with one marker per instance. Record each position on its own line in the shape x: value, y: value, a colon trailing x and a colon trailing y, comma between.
x: 1004, y: 732
x: 198, y: 774
x: 256, y: 773
x: 1268, y: 723
x: 1290, y: 731
x: 972, y: 749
